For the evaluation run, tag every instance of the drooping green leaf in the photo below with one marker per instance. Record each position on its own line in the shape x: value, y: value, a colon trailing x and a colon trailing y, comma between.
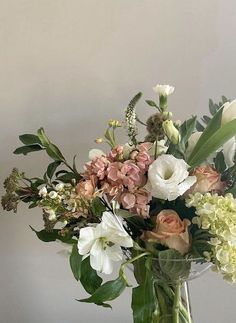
x: 89, y: 277
x: 173, y: 264
x: 53, y: 235
x: 214, y: 142
x: 75, y: 262
x: 107, y: 292
x: 144, y: 298
x: 27, y: 149
x: 52, y: 168
x: 29, y: 139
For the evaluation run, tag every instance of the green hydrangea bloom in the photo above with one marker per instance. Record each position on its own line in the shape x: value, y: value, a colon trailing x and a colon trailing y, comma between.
x: 217, y: 214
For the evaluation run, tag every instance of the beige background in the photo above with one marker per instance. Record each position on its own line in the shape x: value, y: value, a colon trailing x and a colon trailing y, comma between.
x: 70, y: 65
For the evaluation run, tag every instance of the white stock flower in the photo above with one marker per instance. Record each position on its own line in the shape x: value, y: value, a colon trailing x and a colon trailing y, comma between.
x: 43, y: 192
x: 95, y: 153
x: 103, y: 242
x: 163, y: 90
x: 158, y: 148
x: 169, y: 178
x: 229, y: 112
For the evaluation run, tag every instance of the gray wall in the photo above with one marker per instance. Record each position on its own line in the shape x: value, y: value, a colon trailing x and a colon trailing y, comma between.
x: 70, y: 65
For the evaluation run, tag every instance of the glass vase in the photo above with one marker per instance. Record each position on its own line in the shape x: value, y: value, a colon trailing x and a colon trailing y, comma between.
x: 170, y: 284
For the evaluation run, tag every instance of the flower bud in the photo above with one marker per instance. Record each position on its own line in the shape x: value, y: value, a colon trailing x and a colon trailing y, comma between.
x: 171, y: 131
x: 167, y: 115
x: 98, y: 140
x: 114, y: 123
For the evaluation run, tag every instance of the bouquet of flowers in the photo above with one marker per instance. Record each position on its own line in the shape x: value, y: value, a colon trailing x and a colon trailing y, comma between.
x: 159, y: 205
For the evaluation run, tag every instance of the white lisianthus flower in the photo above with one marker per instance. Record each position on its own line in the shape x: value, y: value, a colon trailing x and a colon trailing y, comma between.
x: 229, y: 112
x: 43, y: 192
x: 168, y: 177
x: 95, y: 153
x: 103, y: 242
x: 163, y: 90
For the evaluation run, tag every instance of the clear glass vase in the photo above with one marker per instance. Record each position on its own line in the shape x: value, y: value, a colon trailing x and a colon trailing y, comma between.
x: 172, y: 291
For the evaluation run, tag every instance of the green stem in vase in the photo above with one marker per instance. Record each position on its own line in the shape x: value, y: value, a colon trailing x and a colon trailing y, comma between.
x: 176, y: 304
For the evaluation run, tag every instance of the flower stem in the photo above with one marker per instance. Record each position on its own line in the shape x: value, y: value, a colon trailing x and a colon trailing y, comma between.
x: 176, y: 304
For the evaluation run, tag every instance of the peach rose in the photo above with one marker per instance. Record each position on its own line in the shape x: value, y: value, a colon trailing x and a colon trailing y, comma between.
x: 208, y: 180
x: 170, y: 231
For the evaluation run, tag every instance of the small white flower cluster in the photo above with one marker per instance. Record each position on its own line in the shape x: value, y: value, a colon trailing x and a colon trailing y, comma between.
x: 62, y: 199
x: 163, y: 90
x: 217, y: 214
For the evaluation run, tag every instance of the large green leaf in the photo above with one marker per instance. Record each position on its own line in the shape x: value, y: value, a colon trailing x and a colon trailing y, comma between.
x: 211, y: 128
x: 107, y: 292
x: 53, y: 235
x: 212, y: 143
x: 75, y: 262
x: 173, y: 265
x: 144, y: 298
x: 43, y: 138
x: 89, y: 277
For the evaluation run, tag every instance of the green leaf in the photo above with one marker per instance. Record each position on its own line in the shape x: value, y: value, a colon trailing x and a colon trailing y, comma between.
x: 212, y: 143
x: 124, y: 213
x: 219, y: 161
x: 173, y: 264
x: 232, y: 190
x: 54, y: 152
x: 52, y: 168
x: 53, y: 235
x: 144, y: 298
x: 43, y: 138
x: 75, y: 262
x: 97, y: 207
x: 211, y: 128
x: 89, y: 277
x: 199, y: 126
x: 107, y: 292
x: 68, y: 177
x: 29, y: 139
x: 212, y: 107
x: 186, y: 129
x: 27, y: 149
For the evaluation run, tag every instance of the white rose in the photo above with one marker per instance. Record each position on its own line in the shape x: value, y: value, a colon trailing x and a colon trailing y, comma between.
x: 169, y: 178
x: 163, y: 90
x: 95, y: 153
x: 229, y: 112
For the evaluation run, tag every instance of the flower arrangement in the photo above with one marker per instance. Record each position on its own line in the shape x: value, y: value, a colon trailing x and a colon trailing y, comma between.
x: 160, y: 204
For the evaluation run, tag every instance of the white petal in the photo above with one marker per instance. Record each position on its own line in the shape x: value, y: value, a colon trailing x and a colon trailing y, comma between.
x: 229, y: 149
x: 95, y: 153
x: 102, y: 263
x: 185, y: 185
x: 86, y: 240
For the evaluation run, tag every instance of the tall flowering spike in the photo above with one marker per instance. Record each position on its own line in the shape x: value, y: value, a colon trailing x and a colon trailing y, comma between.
x: 130, y: 118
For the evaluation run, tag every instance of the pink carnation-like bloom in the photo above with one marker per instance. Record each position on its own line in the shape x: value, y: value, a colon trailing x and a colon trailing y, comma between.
x: 136, y: 202
x: 142, y: 156
x: 97, y: 167
x: 116, y: 153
